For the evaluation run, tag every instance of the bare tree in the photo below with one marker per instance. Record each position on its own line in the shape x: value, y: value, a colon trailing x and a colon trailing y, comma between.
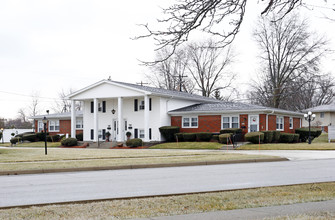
x: 289, y: 53
x: 33, y: 107
x: 171, y: 73
x: 22, y: 114
x: 197, y: 66
x: 219, y: 18
x: 208, y: 66
x: 64, y: 105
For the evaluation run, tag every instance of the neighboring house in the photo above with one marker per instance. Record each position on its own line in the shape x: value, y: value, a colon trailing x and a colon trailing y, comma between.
x: 59, y: 123
x: 324, y: 116
x: 121, y: 107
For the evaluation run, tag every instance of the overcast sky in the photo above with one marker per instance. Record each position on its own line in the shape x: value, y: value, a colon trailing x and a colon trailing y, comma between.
x: 47, y: 46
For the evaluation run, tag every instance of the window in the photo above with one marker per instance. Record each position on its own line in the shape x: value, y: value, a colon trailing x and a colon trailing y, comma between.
x: 322, y: 114
x: 53, y: 125
x: 79, y: 123
x: 230, y: 122
x: 40, y: 126
x: 141, y: 105
x: 291, y: 123
x: 141, y: 133
x: 190, y: 122
x: 280, y: 123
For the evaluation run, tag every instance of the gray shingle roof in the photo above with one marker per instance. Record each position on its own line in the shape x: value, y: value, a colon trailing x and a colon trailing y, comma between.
x: 165, y: 92
x: 223, y: 107
x: 321, y: 108
x: 58, y: 115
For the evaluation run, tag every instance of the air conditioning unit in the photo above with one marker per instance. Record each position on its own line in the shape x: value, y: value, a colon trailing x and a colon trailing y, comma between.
x: 141, y: 107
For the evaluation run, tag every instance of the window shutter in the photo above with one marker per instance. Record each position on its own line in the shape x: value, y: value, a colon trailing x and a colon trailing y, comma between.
x: 149, y: 133
x: 92, y: 134
x: 103, y: 106
x: 92, y: 107
x: 135, y: 105
x: 136, y: 133
x: 103, y: 134
x: 150, y: 104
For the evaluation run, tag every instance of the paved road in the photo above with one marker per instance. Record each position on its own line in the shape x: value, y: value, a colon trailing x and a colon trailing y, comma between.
x: 63, y: 187
x: 292, y: 154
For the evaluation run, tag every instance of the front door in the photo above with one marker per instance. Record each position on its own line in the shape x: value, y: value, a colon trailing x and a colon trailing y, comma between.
x: 115, y: 129
x: 253, y: 123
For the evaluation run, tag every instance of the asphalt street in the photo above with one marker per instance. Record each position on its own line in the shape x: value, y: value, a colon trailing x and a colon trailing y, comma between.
x: 79, y: 186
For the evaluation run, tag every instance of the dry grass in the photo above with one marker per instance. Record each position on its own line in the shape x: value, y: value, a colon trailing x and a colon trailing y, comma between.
x: 174, y: 205
x: 29, y: 159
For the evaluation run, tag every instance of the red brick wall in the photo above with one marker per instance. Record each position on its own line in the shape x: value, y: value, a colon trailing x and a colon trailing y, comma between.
x: 64, y: 127
x: 206, y: 123
x: 262, y: 122
x: 287, y: 125
x: 272, y: 122
x: 296, y: 123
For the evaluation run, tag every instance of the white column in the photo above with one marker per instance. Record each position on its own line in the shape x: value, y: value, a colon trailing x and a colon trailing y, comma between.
x: 120, y: 136
x: 146, y: 118
x: 73, y: 119
x: 95, y: 120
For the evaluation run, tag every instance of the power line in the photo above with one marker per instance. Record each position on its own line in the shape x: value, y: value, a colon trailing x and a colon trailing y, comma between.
x: 31, y: 96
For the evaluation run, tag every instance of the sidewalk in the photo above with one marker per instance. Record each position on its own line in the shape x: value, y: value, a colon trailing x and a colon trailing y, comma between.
x: 259, y: 213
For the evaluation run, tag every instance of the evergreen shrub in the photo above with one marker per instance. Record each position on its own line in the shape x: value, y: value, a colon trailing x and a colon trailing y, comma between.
x: 135, y: 142
x: 169, y: 132
x: 204, y: 136
x: 223, y: 138
x: 254, y: 137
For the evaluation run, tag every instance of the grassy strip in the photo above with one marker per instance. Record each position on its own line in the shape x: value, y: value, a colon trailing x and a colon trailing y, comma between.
x: 32, y: 159
x: 298, y: 146
x: 308, y: 216
x: 34, y: 144
x: 189, y: 145
x: 174, y: 205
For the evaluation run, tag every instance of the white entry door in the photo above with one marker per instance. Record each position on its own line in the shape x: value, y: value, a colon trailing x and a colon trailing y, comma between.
x: 253, y: 123
x: 115, y: 130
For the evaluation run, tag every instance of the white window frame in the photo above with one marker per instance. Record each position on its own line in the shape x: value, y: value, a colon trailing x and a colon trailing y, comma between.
x: 79, y: 124
x: 283, y: 123
x: 322, y: 115
x: 190, y: 119
x: 291, y: 122
x: 231, y: 120
x: 40, y: 126
x: 53, y: 123
x: 141, y: 133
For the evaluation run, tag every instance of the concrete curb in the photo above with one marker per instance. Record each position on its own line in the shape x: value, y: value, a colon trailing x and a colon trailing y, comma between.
x: 142, y: 166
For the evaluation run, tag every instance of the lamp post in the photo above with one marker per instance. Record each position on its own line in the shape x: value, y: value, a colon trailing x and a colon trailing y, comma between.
x: 2, y: 134
x: 309, y: 117
x: 45, y: 121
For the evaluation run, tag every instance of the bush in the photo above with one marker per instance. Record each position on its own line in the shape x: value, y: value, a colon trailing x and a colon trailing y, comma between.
x: 204, y: 136
x: 169, y: 132
x: 268, y: 136
x: 276, y: 136
x: 14, y: 140
x: 53, y: 138
x: 179, y: 137
x: 286, y: 138
x: 40, y: 136
x: 231, y: 130
x: 80, y: 136
x: 215, y: 137
x: 22, y: 134
x: 296, y: 138
x: 189, y: 137
x: 223, y: 138
x: 254, y: 137
x: 29, y: 137
x: 69, y: 142
x: 303, y: 132
x: 135, y: 142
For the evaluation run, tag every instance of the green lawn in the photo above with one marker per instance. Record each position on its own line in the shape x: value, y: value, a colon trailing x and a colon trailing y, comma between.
x: 33, y: 144
x: 13, y: 159
x: 189, y: 145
